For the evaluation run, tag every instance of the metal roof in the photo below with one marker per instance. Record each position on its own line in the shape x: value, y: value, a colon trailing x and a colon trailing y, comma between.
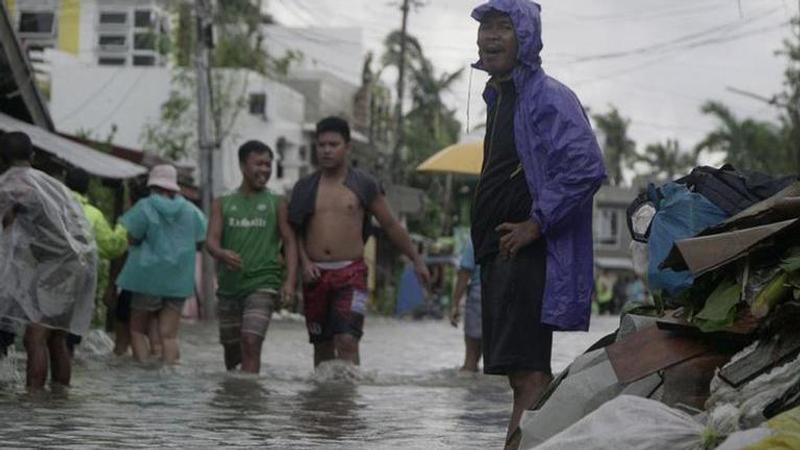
x: 18, y: 93
x: 93, y: 161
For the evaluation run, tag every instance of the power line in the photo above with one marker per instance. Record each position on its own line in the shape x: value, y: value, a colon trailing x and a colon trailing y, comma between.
x: 672, y: 43
x: 122, y: 101
x: 661, y: 58
x: 90, y: 98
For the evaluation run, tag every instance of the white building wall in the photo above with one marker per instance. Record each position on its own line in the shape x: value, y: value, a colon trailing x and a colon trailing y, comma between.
x: 89, y: 27
x: 90, y: 98
x: 282, y: 122
x: 339, y: 51
x: 95, y: 98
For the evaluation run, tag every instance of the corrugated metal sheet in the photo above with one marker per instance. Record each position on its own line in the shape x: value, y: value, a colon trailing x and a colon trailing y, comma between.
x: 95, y: 162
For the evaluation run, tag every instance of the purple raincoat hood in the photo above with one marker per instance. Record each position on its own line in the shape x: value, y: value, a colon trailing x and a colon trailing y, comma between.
x: 527, y: 22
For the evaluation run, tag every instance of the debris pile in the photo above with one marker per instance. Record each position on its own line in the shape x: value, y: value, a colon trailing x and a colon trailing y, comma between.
x: 714, y: 361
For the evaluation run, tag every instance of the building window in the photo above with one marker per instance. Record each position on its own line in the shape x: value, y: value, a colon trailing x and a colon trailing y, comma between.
x: 144, y: 60
x: 36, y: 22
x: 144, y: 41
x: 606, y: 227
x: 113, y: 18
x: 111, y: 61
x: 107, y: 41
x: 280, y: 146
x: 258, y: 104
x: 143, y: 19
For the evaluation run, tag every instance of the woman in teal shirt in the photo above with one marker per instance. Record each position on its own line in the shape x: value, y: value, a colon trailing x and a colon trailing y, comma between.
x: 165, y: 232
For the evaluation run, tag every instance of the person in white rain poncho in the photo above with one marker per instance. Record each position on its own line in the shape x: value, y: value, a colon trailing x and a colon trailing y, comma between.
x: 47, y: 262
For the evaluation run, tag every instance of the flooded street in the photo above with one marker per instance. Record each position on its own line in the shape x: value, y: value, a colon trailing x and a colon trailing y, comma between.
x: 407, y: 394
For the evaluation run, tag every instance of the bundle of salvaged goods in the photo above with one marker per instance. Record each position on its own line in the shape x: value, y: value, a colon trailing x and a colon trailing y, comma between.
x: 714, y: 360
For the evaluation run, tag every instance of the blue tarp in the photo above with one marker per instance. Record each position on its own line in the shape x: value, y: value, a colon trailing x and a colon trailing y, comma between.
x: 681, y: 214
x: 410, y: 295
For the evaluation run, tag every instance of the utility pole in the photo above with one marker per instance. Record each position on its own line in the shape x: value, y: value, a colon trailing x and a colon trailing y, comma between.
x: 396, y: 168
x: 205, y: 140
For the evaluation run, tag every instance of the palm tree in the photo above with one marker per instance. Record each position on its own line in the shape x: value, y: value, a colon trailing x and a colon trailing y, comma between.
x: 618, y: 149
x: 667, y: 160
x: 430, y: 125
x: 428, y: 110
x: 749, y: 144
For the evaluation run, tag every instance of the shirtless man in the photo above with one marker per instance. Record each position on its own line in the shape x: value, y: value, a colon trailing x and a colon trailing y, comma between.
x: 329, y: 211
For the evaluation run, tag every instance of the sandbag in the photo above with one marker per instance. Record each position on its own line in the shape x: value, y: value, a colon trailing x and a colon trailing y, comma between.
x: 631, y: 423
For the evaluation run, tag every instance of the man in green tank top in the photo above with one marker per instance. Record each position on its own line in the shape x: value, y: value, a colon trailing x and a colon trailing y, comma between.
x: 245, y: 233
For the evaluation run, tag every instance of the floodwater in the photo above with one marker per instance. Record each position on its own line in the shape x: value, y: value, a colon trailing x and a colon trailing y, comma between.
x: 407, y: 394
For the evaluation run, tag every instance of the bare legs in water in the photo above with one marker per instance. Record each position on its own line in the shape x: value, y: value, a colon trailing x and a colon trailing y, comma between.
x: 46, y: 346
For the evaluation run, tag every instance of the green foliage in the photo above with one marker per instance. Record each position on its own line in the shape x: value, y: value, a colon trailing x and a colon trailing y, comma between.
x: 752, y: 144
x: 429, y: 125
x: 185, y: 35
x: 280, y: 66
x: 719, y: 310
x: 667, y: 160
x: 789, y: 99
x: 173, y: 135
x: 748, y: 144
x: 619, y: 151
x: 238, y: 45
x: 99, y: 195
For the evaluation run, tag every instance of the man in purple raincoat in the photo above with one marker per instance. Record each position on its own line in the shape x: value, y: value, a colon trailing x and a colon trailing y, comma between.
x: 532, y: 212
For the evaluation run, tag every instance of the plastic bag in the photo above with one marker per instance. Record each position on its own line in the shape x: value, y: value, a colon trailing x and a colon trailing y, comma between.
x: 682, y: 214
x: 48, y: 256
x: 631, y: 423
x: 753, y: 397
x: 782, y: 432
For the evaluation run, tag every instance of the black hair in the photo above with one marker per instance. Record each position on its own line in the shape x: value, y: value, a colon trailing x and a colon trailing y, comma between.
x: 253, y: 147
x: 15, y: 146
x: 334, y: 124
x: 77, y: 179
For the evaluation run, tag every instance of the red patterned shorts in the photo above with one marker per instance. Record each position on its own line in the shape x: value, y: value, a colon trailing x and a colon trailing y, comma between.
x: 336, y: 302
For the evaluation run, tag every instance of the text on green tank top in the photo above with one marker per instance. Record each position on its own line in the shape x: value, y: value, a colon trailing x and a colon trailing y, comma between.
x: 250, y: 228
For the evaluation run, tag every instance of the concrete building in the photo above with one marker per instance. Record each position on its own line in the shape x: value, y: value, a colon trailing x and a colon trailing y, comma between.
x: 611, y: 237
x: 338, y: 51
x: 108, y: 32
x: 124, y: 101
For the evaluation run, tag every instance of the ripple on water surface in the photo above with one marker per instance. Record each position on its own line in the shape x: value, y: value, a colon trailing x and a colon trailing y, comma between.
x: 406, y: 394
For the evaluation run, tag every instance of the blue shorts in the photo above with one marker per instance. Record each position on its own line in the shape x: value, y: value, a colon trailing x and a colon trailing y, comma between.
x: 472, y: 314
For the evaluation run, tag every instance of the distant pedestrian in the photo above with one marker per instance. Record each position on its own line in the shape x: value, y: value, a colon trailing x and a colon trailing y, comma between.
x: 165, y: 231
x: 532, y: 212
x: 330, y: 212
x: 468, y: 280
x: 250, y: 236
x: 48, y: 262
x: 111, y: 242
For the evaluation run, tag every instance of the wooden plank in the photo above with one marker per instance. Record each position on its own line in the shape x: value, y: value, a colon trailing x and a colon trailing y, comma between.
x: 768, y: 354
x: 650, y: 350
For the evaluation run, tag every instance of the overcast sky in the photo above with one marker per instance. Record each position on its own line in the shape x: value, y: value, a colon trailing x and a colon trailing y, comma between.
x: 657, y: 61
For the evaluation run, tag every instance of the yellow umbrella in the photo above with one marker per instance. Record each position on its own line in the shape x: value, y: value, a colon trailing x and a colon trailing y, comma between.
x: 464, y: 157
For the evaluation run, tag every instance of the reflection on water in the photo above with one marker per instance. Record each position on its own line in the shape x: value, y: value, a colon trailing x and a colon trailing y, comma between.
x: 330, y: 411
x: 407, y: 394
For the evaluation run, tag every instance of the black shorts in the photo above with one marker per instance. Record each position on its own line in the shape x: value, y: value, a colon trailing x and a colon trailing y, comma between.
x: 123, y: 310
x: 512, y: 290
